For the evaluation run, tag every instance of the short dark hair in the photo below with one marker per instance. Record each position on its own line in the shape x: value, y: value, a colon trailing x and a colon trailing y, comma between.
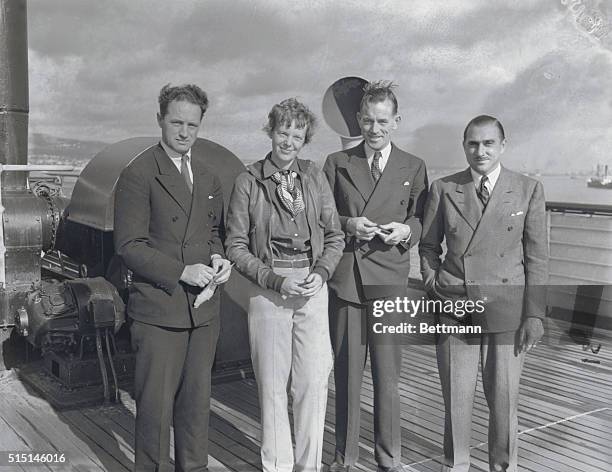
x: 188, y: 92
x: 379, y: 91
x: 484, y: 119
x: 288, y: 111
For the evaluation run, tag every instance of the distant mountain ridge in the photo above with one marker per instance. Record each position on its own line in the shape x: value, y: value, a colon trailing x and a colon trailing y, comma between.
x: 47, y: 149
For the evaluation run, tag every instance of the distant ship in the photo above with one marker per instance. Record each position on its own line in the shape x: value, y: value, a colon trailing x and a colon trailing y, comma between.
x: 602, y: 179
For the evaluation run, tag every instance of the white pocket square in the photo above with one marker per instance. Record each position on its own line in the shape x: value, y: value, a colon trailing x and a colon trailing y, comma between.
x: 210, y: 197
x: 517, y: 213
x: 406, y: 183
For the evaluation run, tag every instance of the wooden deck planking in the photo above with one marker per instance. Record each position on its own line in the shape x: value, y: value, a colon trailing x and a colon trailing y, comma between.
x: 100, y: 441
x: 27, y: 434
x: 51, y: 428
x: 11, y: 441
x: 565, y: 418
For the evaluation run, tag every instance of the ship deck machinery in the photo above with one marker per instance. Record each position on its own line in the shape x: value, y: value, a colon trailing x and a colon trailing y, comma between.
x: 61, y: 288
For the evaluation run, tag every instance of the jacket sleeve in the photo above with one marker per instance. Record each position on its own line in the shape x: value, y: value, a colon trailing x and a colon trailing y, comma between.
x: 329, y: 170
x: 131, y: 233
x: 418, y: 196
x: 430, y: 247
x: 217, y: 232
x: 333, y: 240
x: 238, y: 231
x: 535, y: 254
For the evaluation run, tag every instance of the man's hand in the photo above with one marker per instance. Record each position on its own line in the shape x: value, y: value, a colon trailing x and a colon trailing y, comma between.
x: 530, y: 332
x: 312, y: 284
x: 399, y: 232
x: 222, y: 270
x: 197, y: 274
x: 362, y: 228
x: 292, y: 287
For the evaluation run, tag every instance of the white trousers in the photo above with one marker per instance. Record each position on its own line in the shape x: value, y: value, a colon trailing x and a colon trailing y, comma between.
x: 291, y: 349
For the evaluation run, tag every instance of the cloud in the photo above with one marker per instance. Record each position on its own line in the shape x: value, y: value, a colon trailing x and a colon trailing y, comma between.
x: 96, y: 67
x: 558, y: 110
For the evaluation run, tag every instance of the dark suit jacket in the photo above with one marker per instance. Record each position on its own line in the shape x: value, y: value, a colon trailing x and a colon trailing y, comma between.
x: 373, y: 269
x: 159, y: 228
x: 493, y: 257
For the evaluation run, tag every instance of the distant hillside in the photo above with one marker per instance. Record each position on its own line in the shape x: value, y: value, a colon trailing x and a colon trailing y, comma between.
x: 43, y: 148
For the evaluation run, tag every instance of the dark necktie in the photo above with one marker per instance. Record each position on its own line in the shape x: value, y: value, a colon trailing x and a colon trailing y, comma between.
x: 483, y: 191
x: 185, y: 171
x: 375, y: 169
x: 288, y: 191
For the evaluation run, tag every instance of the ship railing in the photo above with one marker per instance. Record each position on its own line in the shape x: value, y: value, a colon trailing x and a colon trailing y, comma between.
x: 580, y: 267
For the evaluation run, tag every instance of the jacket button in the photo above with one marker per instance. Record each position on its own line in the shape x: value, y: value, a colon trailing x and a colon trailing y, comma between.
x: 174, y: 219
x: 403, y: 202
x: 501, y: 255
x: 211, y: 214
x: 510, y: 228
x: 504, y: 280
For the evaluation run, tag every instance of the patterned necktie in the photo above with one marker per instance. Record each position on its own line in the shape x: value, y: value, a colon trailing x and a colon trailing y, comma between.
x: 185, y: 171
x: 483, y: 191
x: 288, y: 192
x: 375, y: 169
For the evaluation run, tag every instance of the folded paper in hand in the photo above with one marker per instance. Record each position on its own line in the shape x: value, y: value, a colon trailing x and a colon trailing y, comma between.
x: 206, y: 294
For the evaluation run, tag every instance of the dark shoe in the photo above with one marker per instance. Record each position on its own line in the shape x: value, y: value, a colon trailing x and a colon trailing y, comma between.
x: 337, y: 467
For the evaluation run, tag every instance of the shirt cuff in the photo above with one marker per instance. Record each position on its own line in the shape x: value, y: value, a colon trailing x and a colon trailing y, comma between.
x: 322, y: 272
x: 274, y: 282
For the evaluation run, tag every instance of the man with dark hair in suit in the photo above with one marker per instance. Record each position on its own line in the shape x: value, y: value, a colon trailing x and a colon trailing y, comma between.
x: 380, y: 193
x: 494, y: 224
x: 168, y: 226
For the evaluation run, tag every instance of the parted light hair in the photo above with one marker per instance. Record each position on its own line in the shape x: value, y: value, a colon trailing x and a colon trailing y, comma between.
x: 379, y: 91
x: 288, y: 111
x: 483, y: 120
x: 188, y: 93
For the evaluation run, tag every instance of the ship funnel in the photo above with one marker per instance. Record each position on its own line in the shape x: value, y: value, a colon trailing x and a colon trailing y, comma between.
x: 13, y: 91
x: 28, y: 223
x: 340, y: 106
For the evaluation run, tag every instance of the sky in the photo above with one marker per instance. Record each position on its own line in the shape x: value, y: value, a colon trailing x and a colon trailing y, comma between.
x: 543, y: 67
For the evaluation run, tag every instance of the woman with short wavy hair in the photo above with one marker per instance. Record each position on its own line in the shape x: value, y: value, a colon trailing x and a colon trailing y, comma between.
x: 283, y: 234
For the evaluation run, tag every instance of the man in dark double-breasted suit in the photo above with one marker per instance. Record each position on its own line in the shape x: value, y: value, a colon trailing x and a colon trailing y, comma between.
x: 494, y: 223
x: 168, y: 225
x: 380, y: 193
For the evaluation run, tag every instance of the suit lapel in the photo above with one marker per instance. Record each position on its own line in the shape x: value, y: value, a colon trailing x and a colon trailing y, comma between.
x: 497, y: 206
x: 359, y: 172
x: 171, y: 180
x: 392, y: 171
x: 466, y: 201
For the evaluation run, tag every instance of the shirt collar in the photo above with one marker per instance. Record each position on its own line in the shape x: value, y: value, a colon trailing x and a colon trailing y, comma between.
x: 492, y: 176
x: 385, y: 152
x: 173, y: 154
x: 269, y: 167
